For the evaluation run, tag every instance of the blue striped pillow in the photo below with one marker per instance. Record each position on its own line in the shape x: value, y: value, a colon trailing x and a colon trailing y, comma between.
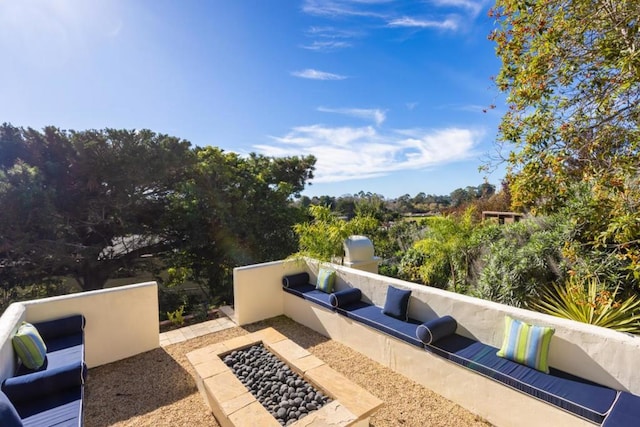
x: 29, y: 346
x: 526, y: 344
x: 326, y: 280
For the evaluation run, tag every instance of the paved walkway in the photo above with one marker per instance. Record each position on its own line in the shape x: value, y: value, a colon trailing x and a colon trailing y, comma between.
x: 193, y: 331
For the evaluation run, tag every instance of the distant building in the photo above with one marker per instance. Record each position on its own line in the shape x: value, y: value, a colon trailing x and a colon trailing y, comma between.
x: 502, y: 217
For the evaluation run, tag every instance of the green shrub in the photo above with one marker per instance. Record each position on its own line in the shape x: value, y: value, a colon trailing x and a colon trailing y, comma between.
x: 586, y: 300
x: 522, y: 259
x: 445, y: 256
x: 176, y: 317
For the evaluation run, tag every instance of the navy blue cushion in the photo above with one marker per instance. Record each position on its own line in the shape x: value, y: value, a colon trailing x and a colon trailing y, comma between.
x: 62, y: 409
x: 52, y: 329
x: 578, y: 396
x: 8, y: 415
x: 295, y: 280
x: 435, y: 329
x: 61, y: 351
x: 397, y: 303
x: 310, y: 293
x: 371, y: 315
x: 345, y: 297
x: 40, y: 384
x: 625, y: 412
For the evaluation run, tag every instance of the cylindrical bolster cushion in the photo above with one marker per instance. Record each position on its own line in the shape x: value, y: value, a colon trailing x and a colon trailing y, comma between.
x: 295, y: 280
x: 61, y: 327
x: 345, y: 297
x: 433, y: 330
x: 32, y: 386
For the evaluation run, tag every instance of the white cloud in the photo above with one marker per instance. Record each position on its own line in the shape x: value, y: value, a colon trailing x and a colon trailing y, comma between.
x: 406, y: 21
x: 411, y: 105
x: 349, y: 153
x: 334, y: 8
x: 310, y: 73
x: 326, y: 46
x: 475, y: 6
x: 374, y: 114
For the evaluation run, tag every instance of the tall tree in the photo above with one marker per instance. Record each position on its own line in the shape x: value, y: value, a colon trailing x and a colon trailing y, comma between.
x: 235, y: 211
x: 571, y: 71
x: 83, y: 204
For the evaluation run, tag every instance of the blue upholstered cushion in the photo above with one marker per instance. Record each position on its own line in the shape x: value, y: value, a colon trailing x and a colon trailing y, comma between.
x: 526, y: 344
x: 326, y: 280
x: 345, y: 297
x: 293, y: 280
x: 625, y: 412
x: 310, y: 293
x: 37, y: 385
x: 397, y: 303
x: 372, y: 316
x: 578, y: 396
x: 8, y: 415
x: 69, y: 325
x: 61, y: 351
x: 62, y: 409
x: 435, y: 329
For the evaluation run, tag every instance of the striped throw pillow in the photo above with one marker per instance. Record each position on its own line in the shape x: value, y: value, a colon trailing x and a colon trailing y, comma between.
x: 326, y: 280
x: 29, y: 346
x: 526, y: 344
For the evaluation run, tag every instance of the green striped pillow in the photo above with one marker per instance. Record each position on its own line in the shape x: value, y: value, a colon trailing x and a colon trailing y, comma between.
x: 526, y: 344
x: 29, y: 346
x: 326, y: 280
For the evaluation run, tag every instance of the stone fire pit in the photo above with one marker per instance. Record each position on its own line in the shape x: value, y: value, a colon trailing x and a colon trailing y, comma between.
x: 233, y: 404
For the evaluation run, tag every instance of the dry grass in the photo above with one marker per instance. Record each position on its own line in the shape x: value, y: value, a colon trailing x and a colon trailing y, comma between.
x: 157, y: 388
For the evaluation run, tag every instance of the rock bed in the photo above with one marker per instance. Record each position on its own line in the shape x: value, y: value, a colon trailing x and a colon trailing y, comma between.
x: 280, y: 390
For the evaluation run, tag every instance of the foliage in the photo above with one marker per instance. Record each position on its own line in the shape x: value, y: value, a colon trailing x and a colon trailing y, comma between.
x: 520, y: 259
x: 83, y: 204
x: 571, y: 71
x: 176, y: 317
x: 89, y: 204
x: 322, y: 238
x: 234, y: 211
x: 585, y: 300
x: 445, y: 252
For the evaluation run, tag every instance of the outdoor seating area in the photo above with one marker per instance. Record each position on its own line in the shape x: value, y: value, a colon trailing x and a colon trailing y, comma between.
x: 447, y: 339
x: 578, y: 396
x: 51, y: 390
x: 430, y: 356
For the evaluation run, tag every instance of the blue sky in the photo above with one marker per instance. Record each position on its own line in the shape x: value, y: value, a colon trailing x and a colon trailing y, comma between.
x: 387, y: 94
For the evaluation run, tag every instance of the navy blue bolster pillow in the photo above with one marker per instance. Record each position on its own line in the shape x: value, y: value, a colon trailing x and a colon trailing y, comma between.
x: 345, y: 297
x: 295, y: 280
x: 433, y: 330
x: 43, y: 383
x: 61, y: 327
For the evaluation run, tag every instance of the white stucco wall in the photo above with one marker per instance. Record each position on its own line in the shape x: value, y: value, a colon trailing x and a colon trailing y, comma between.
x: 495, y: 402
x: 257, y: 289
x: 121, y: 322
x: 9, y: 322
x: 598, y: 354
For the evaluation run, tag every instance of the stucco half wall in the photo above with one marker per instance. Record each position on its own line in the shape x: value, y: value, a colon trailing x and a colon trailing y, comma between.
x: 604, y: 356
x: 121, y: 322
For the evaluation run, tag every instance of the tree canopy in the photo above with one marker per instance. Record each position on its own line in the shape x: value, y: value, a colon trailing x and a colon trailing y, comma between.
x: 571, y: 72
x: 87, y: 203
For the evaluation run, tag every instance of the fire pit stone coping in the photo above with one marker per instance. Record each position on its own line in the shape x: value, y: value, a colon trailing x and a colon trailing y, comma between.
x: 233, y: 405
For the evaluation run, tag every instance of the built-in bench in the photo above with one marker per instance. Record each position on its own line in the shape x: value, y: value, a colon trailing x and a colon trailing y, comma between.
x: 53, y: 394
x: 595, y: 403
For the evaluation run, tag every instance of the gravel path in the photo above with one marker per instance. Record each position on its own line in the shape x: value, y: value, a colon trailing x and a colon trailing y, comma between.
x: 157, y: 388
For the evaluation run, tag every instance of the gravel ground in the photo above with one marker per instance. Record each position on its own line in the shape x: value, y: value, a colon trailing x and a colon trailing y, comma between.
x: 157, y: 388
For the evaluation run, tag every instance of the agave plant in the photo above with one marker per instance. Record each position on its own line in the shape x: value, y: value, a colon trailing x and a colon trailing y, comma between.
x: 590, y: 303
